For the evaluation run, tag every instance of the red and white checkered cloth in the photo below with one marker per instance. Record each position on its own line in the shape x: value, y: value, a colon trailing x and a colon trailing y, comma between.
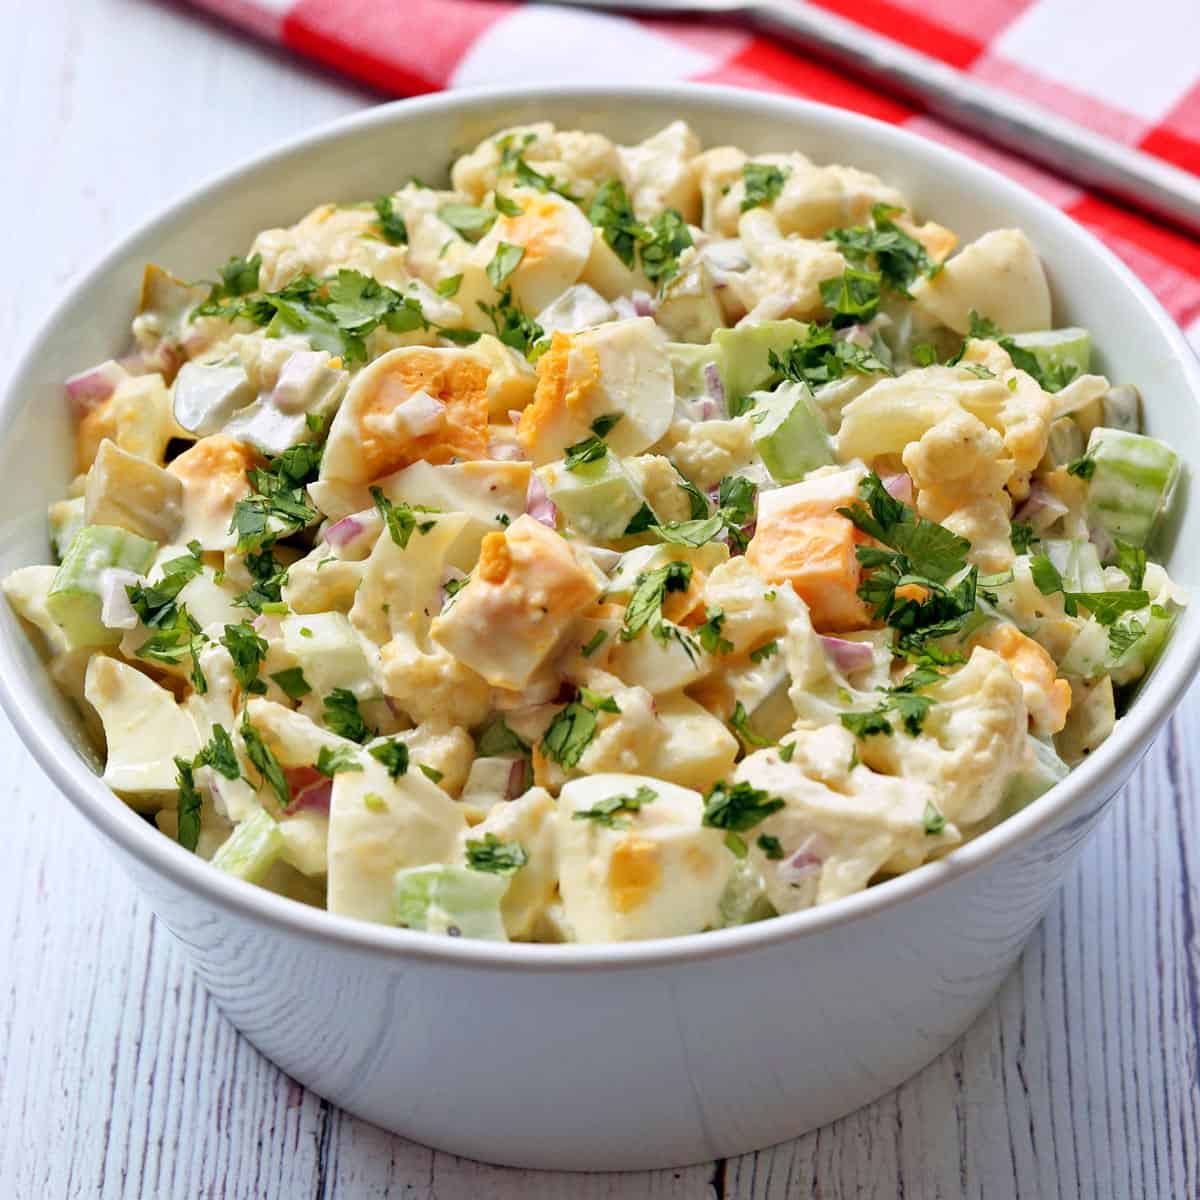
x: 1134, y: 77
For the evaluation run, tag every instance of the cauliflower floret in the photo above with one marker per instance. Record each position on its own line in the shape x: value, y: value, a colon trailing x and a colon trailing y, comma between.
x: 707, y: 451
x: 433, y: 685
x: 751, y: 618
x: 659, y: 482
x: 811, y: 201
x: 841, y: 823
x: 785, y: 273
x: 575, y: 160
x: 658, y: 173
x: 971, y: 744
x: 327, y: 239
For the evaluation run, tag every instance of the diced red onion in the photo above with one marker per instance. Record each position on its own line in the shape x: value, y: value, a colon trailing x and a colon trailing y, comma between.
x: 92, y: 387
x: 899, y: 487
x: 714, y: 386
x: 802, y: 865
x: 516, y: 780
x: 848, y: 656
x: 625, y: 308
x: 342, y: 532
x: 514, y: 415
x: 706, y: 408
x: 115, y: 610
x: 538, y: 503
x: 1041, y: 508
x: 505, y: 452
x: 643, y: 304
x: 309, y: 788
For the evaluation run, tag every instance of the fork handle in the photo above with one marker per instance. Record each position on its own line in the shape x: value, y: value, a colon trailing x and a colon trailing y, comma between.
x: 1142, y: 181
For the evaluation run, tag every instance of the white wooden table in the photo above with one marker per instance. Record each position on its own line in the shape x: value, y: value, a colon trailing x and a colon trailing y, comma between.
x: 118, y: 1077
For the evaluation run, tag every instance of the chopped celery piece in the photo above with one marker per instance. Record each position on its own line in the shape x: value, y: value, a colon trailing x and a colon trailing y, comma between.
x: 1078, y: 563
x: 597, y: 499
x: 747, y: 349
x: 1131, y: 483
x: 451, y: 900
x: 74, y: 598
x: 1059, y: 350
x: 744, y: 899
x: 1041, y: 773
x: 789, y: 433
x: 251, y: 849
x: 1137, y: 659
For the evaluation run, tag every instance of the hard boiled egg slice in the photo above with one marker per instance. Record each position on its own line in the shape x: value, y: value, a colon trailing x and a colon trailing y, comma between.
x: 616, y: 369
x: 380, y: 429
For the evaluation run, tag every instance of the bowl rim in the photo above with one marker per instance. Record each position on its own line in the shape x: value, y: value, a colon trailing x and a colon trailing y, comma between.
x: 143, y: 842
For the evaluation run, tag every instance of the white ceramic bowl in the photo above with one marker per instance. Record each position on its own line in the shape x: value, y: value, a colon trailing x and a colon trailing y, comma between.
x: 597, y: 1057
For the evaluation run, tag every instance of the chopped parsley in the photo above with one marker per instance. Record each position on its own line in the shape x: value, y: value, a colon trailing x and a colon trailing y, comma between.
x: 921, y: 553
x: 898, y: 257
x: 598, y: 701
x: 979, y: 370
x: 649, y: 592
x: 923, y: 354
x: 603, y: 425
x: 1082, y: 468
x: 772, y: 847
x: 498, y: 739
x: 247, y: 650
x: 1106, y: 607
x: 696, y: 498
x: 393, y: 754
x: 1049, y: 379
x: 1122, y: 635
x: 332, y: 761
x: 868, y: 724
x: 608, y: 812
x: 738, y: 807
x: 594, y: 643
x: 278, y: 504
x: 739, y: 722
x: 506, y: 207
x: 710, y: 632
x: 669, y: 238
x: 763, y: 652
x: 512, y: 326
x: 190, y: 802
x: 268, y: 580
x: 397, y: 516
x: 239, y: 277
x: 504, y: 262
x: 341, y: 715
x: 590, y: 450
x: 821, y: 357
x: 449, y: 286
x: 219, y: 754
x: 641, y: 520
x: 569, y: 734
x: 155, y: 604
x: 1131, y: 560
x: 1022, y: 536
x: 265, y: 762
x: 764, y: 182
x: 933, y: 820
x: 852, y: 297
x: 512, y: 159
x: 467, y: 219
x: 495, y: 856
x: 691, y: 533
x: 292, y: 683
x: 182, y: 636
x: 611, y: 213
x: 390, y: 222
x: 431, y: 773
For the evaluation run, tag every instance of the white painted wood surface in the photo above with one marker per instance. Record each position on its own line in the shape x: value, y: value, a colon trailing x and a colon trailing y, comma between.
x: 119, y: 1078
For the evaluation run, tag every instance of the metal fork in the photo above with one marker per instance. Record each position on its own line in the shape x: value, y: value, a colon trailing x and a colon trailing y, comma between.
x: 1140, y: 180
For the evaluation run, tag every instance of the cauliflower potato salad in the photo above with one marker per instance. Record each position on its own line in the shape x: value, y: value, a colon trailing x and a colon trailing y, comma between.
x: 615, y: 542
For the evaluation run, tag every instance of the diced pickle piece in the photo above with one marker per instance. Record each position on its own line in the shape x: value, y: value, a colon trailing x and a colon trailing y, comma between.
x: 451, y: 900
